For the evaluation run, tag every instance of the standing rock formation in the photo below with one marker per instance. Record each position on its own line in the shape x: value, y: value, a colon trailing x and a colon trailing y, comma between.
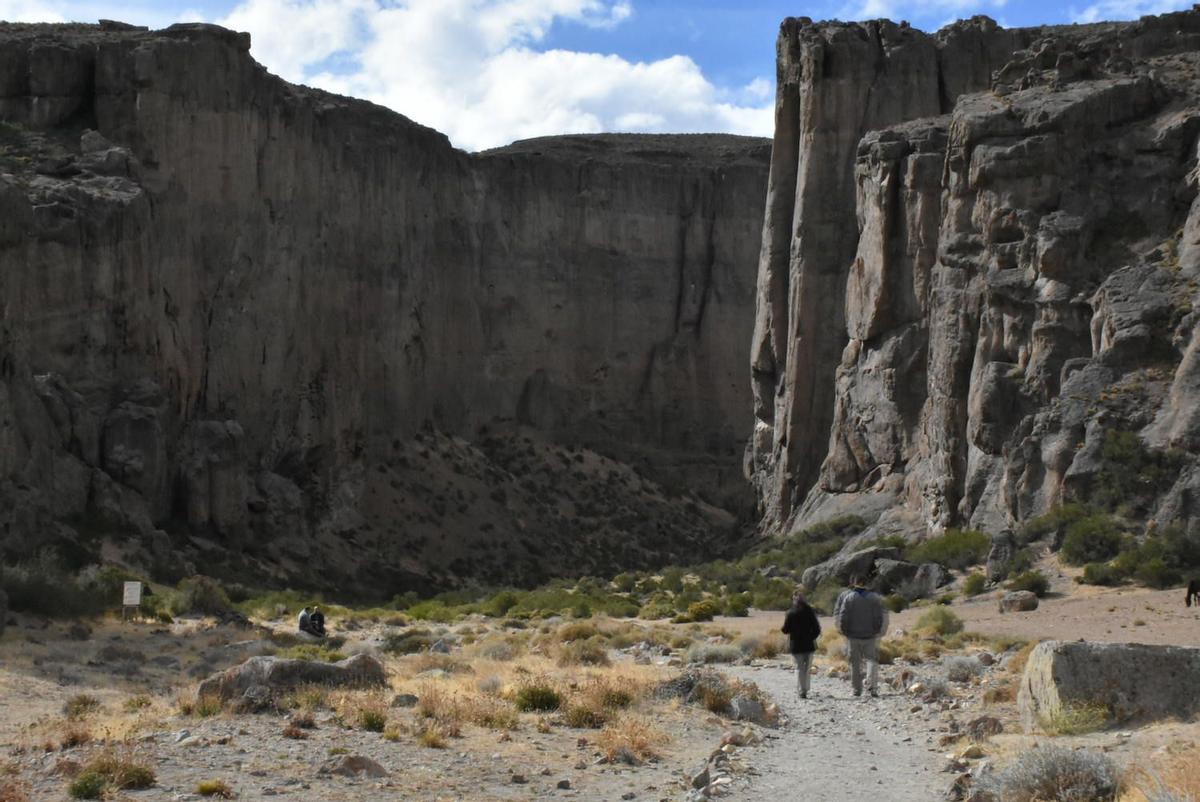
x: 263, y: 326
x: 978, y: 266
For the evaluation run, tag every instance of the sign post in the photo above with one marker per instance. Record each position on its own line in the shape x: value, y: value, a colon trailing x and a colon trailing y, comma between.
x: 131, y: 601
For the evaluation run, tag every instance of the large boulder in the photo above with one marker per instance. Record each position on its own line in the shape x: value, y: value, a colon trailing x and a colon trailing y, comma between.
x: 917, y: 581
x: 1018, y: 601
x: 3, y: 611
x: 279, y: 676
x: 1134, y: 681
x: 841, y: 567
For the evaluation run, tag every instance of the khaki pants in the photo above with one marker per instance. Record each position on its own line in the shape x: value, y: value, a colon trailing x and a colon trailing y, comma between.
x: 803, y: 671
x: 860, y: 650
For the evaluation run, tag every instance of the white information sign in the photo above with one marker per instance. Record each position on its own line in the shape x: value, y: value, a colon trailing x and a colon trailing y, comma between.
x: 133, y: 594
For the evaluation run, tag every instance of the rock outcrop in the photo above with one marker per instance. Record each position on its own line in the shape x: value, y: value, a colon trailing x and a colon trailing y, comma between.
x: 1132, y: 681
x: 979, y: 264
x: 277, y: 676
x: 252, y: 323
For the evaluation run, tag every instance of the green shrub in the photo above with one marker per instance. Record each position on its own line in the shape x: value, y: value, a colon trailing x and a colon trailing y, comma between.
x: 655, y: 609
x: 537, y: 697
x: 88, y: 785
x: 44, y: 587
x: 896, y: 603
x: 957, y: 549
x: 200, y: 595
x: 104, y: 774
x: 1054, y: 522
x: 737, y: 605
x: 1131, y: 475
x: 940, y: 621
x: 1102, y: 574
x: 372, y: 719
x: 1155, y: 573
x: 974, y: 584
x: 1094, y: 539
x: 217, y: 788
x: 777, y: 595
x: 1034, y: 581
x: 702, y: 610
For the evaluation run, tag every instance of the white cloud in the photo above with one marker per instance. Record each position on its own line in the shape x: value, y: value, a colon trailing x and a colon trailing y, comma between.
x: 1126, y: 9
x: 29, y: 11
x: 472, y: 69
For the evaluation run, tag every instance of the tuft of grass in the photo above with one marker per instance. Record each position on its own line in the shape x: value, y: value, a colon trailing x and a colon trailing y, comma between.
x: 81, y: 705
x: 1079, y: 719
x: 372, y: 719
x: 107, y: 773
x: 135, y: 703
x: 216, y: 788
x: 432, y: 736
x: 73, y: 737
x: 631, y: 739
x: 766, y: 647
x: 308, y: 698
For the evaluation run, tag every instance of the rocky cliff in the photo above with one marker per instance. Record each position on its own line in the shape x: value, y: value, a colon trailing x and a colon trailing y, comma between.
x: 978, y: 271
x: 257, y: 325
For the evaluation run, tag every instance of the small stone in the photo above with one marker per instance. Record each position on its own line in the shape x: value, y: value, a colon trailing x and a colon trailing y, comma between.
x: 405, y: 700
x: 564, y: 785
x: 518, y: 779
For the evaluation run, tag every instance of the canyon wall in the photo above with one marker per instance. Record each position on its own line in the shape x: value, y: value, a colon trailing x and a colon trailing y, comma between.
x: 255, y: 324
x: 978, y: 272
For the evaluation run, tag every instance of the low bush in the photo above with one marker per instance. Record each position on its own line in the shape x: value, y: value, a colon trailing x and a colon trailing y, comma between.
x: 1033, y: 581
x: 590, y: 652
x: 738, y: 605
x: 939, y: 621
x: 961, y: 669
x: 1102, y: 574
x: 764, y: 647
x: 537, y: 697
x: 704, y: 610
x: 1096, y: 538
x: 200, y: 595
x: 1051, y: 773
x: 956, y: 548
x: 708, y: 653
x: 896, y: 602
x: 631, y: 739
x: 408, y: 642
x: 974, y: 584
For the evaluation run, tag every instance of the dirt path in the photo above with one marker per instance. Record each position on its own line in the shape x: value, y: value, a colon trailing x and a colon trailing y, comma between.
x: 837, y: 748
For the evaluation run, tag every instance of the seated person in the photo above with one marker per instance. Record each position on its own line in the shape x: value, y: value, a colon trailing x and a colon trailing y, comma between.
x: 316, y: 622
x: 305, y: 620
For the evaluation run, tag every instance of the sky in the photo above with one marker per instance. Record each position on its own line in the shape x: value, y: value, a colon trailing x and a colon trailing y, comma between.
x: 488, y: 72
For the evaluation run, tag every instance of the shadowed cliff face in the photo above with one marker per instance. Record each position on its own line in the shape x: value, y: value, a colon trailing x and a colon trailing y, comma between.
x: 232, y: 304
x: 978, y: 258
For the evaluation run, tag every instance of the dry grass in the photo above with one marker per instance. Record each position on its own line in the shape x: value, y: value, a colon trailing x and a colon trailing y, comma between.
x: 310, y: 698
x: 215, y: 788
x: 13, y: 791
x: 764, y: 647
x: 75, y: 736
x: 1175, y: 777
x: 1016, y: 665
x: 631, y: 736
x: 295, y: 733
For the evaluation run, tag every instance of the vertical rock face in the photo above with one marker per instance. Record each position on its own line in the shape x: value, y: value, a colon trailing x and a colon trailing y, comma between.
x: 231, y: 304
x: 960, y: 292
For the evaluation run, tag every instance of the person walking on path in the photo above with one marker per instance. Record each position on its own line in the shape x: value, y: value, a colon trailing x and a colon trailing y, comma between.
x: 802, y: 628
x: 862, y: 619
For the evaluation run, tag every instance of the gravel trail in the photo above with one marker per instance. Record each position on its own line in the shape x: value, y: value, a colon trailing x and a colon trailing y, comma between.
x: 837, y: 748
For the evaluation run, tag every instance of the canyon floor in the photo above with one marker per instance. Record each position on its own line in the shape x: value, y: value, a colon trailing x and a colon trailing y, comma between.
x: 904, y: 745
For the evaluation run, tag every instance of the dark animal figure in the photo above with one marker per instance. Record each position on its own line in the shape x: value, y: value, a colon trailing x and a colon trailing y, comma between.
x: 1193, y: 593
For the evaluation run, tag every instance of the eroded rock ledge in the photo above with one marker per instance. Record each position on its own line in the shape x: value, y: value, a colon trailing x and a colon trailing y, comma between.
x: 252, y: 323
x: 980, y: 255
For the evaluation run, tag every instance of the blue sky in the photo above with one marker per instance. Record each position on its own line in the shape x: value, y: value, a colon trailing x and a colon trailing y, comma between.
x: 490, y: 71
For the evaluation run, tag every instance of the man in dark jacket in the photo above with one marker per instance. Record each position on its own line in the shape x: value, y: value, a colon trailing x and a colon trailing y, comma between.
x: 802, y: 628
